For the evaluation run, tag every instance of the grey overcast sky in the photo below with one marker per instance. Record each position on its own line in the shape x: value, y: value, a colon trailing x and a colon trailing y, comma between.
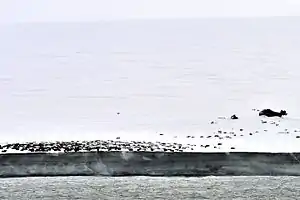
x: 92, y: 10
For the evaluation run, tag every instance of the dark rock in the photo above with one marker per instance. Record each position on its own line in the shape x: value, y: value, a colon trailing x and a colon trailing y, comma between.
x: 271, y: 113
x: 234, y: 117
x: 76, y: 148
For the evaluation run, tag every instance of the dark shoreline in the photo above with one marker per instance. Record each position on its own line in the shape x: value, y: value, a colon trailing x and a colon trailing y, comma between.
x: 187, y: 164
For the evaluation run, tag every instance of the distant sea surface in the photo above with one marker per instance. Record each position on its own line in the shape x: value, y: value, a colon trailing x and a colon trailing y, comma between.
x: 132, y: 188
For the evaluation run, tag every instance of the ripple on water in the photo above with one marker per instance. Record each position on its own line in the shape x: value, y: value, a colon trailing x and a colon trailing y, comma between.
x: 150, y: 188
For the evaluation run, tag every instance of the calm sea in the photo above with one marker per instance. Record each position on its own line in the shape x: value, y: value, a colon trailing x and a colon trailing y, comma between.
x: 150, y: 188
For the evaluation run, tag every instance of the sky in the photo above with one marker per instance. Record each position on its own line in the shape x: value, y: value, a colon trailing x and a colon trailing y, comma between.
x: 95, y: 10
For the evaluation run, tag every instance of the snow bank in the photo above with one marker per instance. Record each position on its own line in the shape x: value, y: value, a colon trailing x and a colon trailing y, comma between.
x: 149, y: 164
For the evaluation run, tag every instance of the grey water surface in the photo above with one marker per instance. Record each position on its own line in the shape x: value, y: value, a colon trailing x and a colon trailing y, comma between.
x: 150, y: 188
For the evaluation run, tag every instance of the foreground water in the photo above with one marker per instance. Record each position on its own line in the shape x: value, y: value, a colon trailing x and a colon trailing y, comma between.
x: 150, y: 188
